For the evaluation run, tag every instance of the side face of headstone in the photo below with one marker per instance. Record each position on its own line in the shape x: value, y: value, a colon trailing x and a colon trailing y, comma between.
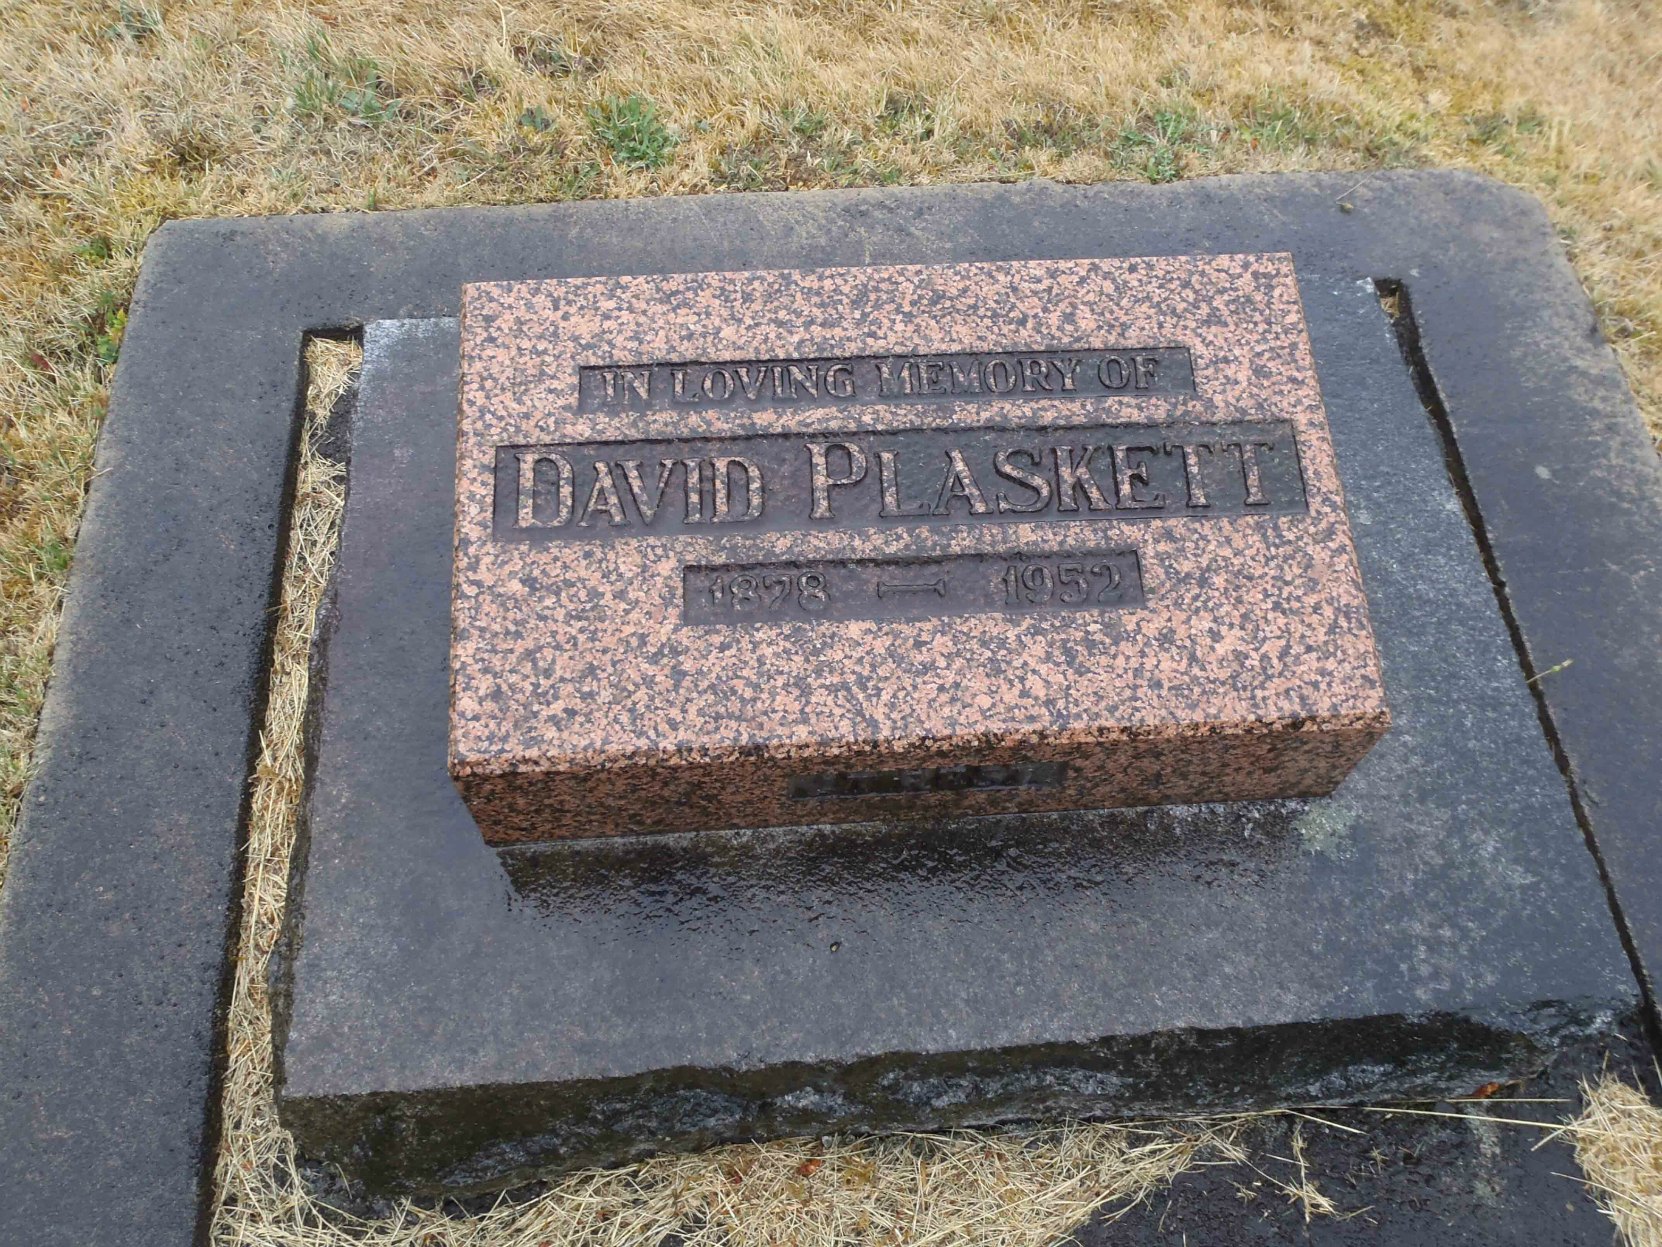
x: 748, y: 549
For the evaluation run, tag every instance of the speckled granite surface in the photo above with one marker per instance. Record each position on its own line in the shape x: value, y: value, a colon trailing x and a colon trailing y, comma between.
x: 583, y: 704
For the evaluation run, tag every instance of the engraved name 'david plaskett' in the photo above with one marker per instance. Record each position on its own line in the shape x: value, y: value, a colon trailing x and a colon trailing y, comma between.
x: 791, y: 482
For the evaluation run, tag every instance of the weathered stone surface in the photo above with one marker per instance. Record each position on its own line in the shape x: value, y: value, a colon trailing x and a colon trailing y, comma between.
x: 932, y: 539
x: 462, y: 1016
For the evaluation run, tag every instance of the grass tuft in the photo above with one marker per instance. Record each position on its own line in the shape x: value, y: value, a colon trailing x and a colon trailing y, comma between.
x: 538, y: 119
x: 550, y: 57
x: 333, y: 86
x: 630, y: 127
x: 909, y: 115
x: 135, y: 22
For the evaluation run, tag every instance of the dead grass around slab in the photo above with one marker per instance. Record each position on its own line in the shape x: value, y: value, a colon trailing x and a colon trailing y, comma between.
x: 255, y: 1177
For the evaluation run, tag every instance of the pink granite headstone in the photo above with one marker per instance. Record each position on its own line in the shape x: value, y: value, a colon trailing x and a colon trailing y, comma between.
x: 748, y: 549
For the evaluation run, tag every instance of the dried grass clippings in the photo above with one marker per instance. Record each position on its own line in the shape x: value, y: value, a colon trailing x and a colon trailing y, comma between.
x: 1618, y: 1143
x: 255, y: 1175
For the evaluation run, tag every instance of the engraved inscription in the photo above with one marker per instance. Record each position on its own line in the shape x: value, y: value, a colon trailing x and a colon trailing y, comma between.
x: 970, y: 777
x: 911, y: 588
x: 968, y: 377
x: 805, y: 483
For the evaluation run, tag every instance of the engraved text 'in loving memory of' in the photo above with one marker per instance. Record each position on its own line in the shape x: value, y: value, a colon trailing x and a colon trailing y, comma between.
x: 964, y: 377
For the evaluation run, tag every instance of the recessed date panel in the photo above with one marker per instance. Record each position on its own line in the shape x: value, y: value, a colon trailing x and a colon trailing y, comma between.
x: 1029, y: 583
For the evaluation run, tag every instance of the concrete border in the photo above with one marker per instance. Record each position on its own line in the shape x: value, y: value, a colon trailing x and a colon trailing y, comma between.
x: 120, y: 905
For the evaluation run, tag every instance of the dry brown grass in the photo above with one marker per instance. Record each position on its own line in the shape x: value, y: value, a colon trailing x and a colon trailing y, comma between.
x: 1618, y: 1142
x: 255, y: 1176
x: 113, y: 119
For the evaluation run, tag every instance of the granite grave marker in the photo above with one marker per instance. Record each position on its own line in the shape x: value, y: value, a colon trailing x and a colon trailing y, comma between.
x: 747, y: 549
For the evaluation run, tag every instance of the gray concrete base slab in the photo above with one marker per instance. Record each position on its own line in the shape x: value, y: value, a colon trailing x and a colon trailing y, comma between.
x: 460, y: 1018
x: 118, y: 913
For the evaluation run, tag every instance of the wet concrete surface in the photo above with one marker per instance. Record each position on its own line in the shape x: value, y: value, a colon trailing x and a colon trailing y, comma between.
x: 461, y: 1017
x: 1433, y: 1174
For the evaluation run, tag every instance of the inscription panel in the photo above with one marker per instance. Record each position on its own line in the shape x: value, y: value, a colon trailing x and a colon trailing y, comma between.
x: 973, y: 376
x: 803, y: 483
x: 1022, y: 583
